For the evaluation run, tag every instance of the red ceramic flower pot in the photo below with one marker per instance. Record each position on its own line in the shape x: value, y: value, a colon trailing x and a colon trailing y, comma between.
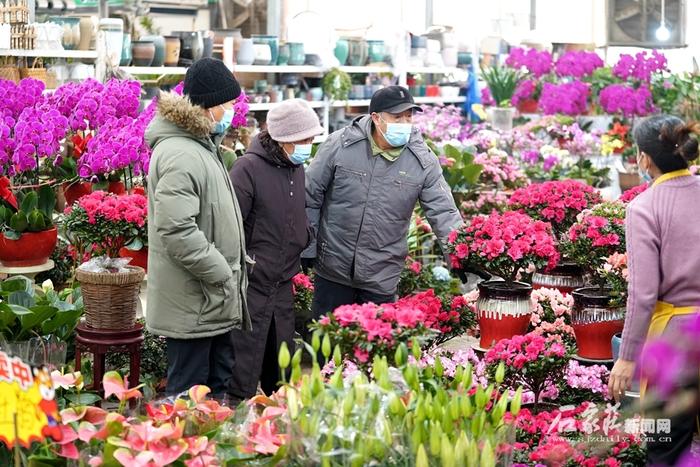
x: 116, y: 188
x: 138, y: 257
x: 528, y: 106
x: 504, y: 310
x: 32, y: 248
x: 74, y: 191
x: 595, y: 322
x: 565, y: 277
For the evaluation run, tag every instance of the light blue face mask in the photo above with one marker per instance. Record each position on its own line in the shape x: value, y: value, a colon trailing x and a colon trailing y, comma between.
x: 644, y: 174
x: 222, y: 125
x: 301, y: 153
x: 397, y: 134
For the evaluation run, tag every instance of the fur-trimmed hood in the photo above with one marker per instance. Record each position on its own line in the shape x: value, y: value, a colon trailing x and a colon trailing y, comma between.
x: 177, y: 116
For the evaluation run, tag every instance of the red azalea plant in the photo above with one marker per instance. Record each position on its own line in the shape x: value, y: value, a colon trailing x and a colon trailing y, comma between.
x: 532, y: 361
x: 557, y: 202
x: 598, y: 234
x: 503, y: 244
x: 103, y: 223
x: 365, y: 331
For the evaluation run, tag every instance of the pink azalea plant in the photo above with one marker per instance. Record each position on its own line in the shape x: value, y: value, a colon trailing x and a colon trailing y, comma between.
x: 596, y: 236
x: 486, y: 202
x: 556, y: 202
x: 614, y: 272
x: 103, y: 223
x: 303, y: 289
x: 531, y: 361
x: 500, y: 169
x: 632, y: 193
x: 548, y: 305
x: 503, y: 244
x: 365, y: 331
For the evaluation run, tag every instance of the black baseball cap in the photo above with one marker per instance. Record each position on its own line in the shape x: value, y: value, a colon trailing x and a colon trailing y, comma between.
x: 393, y: 100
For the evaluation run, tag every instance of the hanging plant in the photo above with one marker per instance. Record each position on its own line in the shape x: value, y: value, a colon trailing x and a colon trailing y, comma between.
x: 336, y: 85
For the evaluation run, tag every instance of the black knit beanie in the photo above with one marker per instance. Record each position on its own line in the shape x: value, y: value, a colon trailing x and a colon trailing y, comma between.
x: 209, y: 83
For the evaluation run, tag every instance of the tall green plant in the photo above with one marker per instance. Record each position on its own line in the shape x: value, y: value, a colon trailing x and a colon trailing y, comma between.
x: 502, y: 82
x: 33, y: 213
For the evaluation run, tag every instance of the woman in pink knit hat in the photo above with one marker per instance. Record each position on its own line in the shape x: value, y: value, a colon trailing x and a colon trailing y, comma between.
x: 269, y: 184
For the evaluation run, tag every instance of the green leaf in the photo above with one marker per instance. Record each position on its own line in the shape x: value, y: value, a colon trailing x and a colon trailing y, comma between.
x: 7, y: 316
x: 451, y: 151
x: 47, y: 200
x: 17, y: 284
x: 59, y: 320
x: 20, y: 310
x: 21, y: 298
x: 472, y: 172
x: 19, y: 222
x: 29, y: 202
x: 37, y: 221
x: 38, y: 315
x: 84, y: 398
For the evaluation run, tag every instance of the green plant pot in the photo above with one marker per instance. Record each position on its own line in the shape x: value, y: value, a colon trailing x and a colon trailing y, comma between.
x: 296, y: 53
x: 342, y: 51
x: 375, y: 51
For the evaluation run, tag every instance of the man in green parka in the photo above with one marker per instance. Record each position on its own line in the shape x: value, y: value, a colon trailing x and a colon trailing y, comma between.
x: 197, y: 264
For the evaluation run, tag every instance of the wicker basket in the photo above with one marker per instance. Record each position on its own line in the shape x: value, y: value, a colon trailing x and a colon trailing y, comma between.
x: 38, y: 72
x: 10, y: 73
x: 111, y: 299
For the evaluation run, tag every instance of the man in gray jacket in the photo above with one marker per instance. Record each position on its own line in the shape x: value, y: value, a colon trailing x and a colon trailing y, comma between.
x: 361, y: 189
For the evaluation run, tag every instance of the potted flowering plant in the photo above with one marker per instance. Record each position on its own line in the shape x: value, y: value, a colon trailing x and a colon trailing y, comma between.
x: 502, y: 245
x: 101, y: 224
x: 535, y: 65
x: 499, y: 170
x: 303, y: 290
x: 556, y: 202
x: 599, y: 312
x: 31, y: 130
x: 501, y: 82
x: 531, y: 361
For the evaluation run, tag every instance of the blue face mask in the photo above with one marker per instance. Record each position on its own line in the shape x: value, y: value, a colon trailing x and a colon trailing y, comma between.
x: 301, y: 153
x: 397, y: 134
x: 644, y: 175
x: 222, y: 125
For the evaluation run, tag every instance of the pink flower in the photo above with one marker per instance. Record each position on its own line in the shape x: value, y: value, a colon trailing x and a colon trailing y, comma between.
x: 461, y: 251
x: 415, y: 267
x: 361, y: 355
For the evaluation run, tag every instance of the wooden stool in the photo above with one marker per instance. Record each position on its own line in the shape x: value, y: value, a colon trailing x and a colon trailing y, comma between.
x: 100, y: 342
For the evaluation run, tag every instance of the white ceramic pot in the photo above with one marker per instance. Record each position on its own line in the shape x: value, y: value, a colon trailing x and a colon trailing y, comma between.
x: 501, y: 118
x: 449, y: 56
x: 263, y: 54
x: 246, y: 54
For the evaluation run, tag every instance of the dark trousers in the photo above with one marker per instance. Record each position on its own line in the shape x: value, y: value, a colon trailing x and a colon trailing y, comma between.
x: 667, y: 449
x: 272, y: 317
x: 208, y: 361
x: 330, y: 295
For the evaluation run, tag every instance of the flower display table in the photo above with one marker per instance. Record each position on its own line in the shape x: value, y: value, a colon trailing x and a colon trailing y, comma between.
x: 27, y: 271
x: 101, y: 342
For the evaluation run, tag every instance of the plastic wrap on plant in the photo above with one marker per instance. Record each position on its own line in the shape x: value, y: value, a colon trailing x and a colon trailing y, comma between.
x: 103, y: 264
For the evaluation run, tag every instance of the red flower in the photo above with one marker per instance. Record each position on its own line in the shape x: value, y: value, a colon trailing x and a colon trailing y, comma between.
x: 6, y: 193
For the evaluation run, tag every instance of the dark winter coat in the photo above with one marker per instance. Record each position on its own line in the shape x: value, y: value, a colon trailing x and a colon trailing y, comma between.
x: 270, y: 191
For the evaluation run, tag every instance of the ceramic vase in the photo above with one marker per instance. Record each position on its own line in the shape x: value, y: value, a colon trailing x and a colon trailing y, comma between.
x: 565, y: 277
x: 126, y: 51
x: 263, y: 54
x: 342, y: 51
x: 159, y: 43
x: 283, y: 55
x: 595, y: 322
x: 172, y: 50
x: 143, y: 52
x: 375, y: 51
x: 88, y: 29
x: 503, y: 310
x: 246, y: 53
x: 358, y: 52
x: 296, y: 53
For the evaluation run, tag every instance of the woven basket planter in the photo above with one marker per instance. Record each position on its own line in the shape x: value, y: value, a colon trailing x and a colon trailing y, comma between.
x: 111, y: 298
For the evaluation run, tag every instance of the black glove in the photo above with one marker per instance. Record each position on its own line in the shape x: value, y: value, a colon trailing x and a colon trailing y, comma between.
x: 307, y: 264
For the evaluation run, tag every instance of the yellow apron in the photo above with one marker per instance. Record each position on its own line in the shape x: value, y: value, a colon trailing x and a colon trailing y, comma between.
x: 663, y: 312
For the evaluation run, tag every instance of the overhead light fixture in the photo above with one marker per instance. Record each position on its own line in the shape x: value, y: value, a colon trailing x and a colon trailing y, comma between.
x: 662, y: 33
